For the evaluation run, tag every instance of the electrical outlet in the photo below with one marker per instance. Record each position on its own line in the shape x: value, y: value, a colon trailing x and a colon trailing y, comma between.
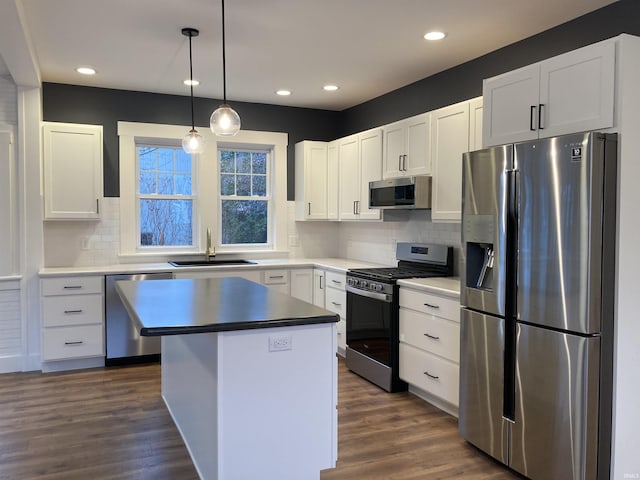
x: 85, y: 243
x: 280, y: 343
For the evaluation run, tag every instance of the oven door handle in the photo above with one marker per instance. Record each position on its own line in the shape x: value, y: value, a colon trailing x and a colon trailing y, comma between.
x: 385, y: 297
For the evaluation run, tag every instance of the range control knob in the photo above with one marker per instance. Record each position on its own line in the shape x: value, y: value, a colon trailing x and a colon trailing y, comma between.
x: 379, y: 287
x: 364, y: 283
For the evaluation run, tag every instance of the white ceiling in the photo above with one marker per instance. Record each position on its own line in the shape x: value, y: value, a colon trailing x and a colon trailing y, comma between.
x: 367, y: 47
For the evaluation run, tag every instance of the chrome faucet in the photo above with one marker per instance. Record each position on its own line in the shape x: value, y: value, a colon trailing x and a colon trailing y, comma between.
x: 211, y: 250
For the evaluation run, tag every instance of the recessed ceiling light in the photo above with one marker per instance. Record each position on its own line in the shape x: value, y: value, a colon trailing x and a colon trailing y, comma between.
x: 330, y: 88
x: 188, y: 82
x: 86, y: 70
x: 283, y: 93
x: 434, y: 36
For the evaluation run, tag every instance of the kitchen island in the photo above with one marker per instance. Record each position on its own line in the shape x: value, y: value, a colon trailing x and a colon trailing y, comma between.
x: 249, y: 375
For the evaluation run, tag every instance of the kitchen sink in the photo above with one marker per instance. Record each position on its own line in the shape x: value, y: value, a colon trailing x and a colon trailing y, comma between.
x: 210, y: 263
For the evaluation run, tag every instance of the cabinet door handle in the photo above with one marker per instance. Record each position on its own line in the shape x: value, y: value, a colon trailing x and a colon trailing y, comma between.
x: 430, y: 305
x: 435, y: 377
x: 68, y: 312
x: 431, y: 336
x: 72, y: 287
x: 399, y: 163
x: 79, y: 342
x: 404, y: 163
x: 97, y: 205
x: 320, y: 282
x: 309, y: 209
x: 532, y: 115
x: 540, y: 116
x: 358, y: 207
x: 355, y: 211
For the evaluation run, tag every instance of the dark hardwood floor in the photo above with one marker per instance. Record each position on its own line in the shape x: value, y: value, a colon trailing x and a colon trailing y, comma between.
x: 112, y: 424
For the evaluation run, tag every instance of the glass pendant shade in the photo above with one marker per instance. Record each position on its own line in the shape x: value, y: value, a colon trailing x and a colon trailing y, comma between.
x: 225, y: 121
x: 193, y: 142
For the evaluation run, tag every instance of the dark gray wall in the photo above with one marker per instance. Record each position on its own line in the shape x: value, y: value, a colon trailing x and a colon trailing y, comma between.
x: 67, y: 103
x: 75, y: 104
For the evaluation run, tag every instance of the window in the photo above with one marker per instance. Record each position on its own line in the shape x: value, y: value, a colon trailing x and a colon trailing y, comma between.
x: 244, y: 196
x: 165, y: 196
x: 168, y: 199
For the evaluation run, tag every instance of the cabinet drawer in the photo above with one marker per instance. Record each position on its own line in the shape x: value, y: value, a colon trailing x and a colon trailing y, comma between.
x: 336, y: 280
x: 433, y: 334
x: 275, y: 277
x: 429, y: 373
x: 72, y: 285
x: 336, y: 301
x: 60, y: 343
x: 428, y: 303
x: 72, y: 310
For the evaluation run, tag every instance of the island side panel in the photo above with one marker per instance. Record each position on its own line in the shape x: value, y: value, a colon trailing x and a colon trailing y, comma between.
x: 190, y: 391
x: 278, y: 408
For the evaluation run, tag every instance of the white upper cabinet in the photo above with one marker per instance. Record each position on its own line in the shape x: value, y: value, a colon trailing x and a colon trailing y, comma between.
x: 360, y: 163
x: 569, y: 93
x: 449, y: 140
x: 475, y: 124
x: 311, y: 180
x: 406, y: 147
x: 333, y: 179
x: 72, y: 157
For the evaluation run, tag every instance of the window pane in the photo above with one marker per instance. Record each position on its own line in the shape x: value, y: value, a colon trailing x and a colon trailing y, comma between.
x: 259, y: 161
x: 260, y: 185
x: 244, y: 221
x: 244, y: 185
x: 227, y: 161
x: 183, y: 161
x: 183, y: 184
x: 147, y: 182
x: 243, y: 162
x: 165, y: 222
x: 165, y: 184
x: 227, y: 185
x: 147, y: 156
x: 165, y: 159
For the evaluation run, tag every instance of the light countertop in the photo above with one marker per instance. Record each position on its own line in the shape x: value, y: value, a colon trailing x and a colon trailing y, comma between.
x: 449, y: 286
x: 336, y: 264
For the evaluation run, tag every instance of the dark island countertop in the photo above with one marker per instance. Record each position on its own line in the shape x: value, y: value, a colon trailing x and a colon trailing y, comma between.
x: 184, y: 306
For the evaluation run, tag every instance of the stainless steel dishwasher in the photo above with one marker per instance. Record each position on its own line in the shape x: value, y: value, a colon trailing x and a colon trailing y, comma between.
x: 124, y: 344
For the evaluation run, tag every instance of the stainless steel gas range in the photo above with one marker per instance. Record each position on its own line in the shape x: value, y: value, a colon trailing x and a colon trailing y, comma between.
x: 372, y: 310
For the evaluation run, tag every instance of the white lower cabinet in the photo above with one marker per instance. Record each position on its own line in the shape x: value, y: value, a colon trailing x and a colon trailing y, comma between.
x: 72, y: 318
x: 430, y: 346
x: 336, y: 302
x: 318, y: 287
x: 301, y: 280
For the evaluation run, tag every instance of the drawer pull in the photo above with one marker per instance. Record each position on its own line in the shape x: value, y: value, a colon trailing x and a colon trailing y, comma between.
x: 435, y: 377
x: 70, y: 312
x: 337, y: 282
x: 432, y: 336
x: 430, y: 305
x: 276, y: 276
x: 79, y: 342
x: 72, y: 287
x: 336, y: 304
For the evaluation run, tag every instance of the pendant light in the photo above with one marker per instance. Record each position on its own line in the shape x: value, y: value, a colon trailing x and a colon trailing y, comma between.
x: 192, y: 141
x: 224, y: 121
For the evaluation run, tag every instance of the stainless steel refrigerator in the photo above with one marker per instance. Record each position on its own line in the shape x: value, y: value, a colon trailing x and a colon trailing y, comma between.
x: 537, y: 289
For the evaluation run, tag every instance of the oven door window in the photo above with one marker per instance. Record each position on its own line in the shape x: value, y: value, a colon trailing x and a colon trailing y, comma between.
x: 369, y: 326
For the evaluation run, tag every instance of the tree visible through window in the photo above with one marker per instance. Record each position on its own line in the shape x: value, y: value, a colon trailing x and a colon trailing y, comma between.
x: 244, y: 196
x: 165, y: 195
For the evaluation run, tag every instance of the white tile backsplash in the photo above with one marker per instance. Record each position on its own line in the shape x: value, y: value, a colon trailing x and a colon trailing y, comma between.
x: 69, y: 244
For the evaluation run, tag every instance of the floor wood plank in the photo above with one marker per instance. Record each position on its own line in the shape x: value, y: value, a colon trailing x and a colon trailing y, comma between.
x: 112, y: 424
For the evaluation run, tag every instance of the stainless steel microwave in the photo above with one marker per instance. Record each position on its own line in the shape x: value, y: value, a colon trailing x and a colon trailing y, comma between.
x: 401, y: 193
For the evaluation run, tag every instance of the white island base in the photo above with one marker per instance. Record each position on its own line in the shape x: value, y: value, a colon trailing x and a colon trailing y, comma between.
x: 255, y: 404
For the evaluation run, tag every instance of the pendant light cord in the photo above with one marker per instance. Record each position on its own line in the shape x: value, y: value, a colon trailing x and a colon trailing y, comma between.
x: 193, y: 123
x: 224, y: 62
